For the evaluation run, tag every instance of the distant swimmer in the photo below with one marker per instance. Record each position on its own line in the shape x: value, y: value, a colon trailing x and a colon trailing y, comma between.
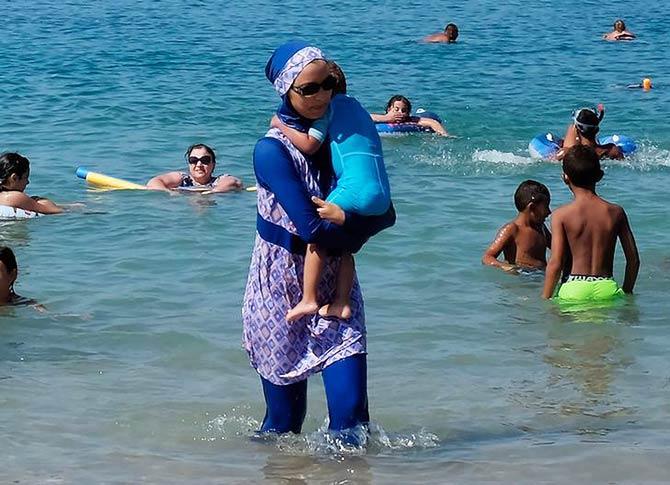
x: 583, y: 130
x: 449, y: 35
x: 14, y: 175
x: 645, y: 84
x: 619, y: 32
x: 523, y: 241
x: 399, y: 109
x: 201, y: 161
x: 584, y: 236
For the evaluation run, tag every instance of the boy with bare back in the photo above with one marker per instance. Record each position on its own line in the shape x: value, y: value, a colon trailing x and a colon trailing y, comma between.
x: 584, y: 235
x: 523, y: 241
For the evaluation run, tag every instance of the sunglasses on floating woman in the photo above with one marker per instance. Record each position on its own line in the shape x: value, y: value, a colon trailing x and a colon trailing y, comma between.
x: 205, y: 160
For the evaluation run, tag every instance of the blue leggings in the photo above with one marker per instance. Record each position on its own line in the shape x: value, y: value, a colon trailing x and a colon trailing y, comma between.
x: 346, y: 392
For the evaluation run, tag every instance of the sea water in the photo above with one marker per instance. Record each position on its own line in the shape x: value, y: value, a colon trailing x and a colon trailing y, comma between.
x: 135, y: 371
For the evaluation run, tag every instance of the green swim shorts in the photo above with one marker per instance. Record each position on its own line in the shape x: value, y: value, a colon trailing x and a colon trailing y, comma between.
x: 589, y: 288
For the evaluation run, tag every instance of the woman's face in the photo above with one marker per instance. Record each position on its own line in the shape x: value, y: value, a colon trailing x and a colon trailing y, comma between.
x: 313, y: 106
x: 200, y: 165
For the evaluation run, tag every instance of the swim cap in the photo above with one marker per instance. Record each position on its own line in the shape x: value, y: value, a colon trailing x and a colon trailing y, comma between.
x: 587, y: 120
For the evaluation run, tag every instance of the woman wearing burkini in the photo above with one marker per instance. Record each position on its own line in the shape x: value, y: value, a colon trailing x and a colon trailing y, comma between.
x: 286, y: 354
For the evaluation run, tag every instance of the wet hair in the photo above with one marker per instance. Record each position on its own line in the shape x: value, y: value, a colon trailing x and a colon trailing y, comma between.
x: 453, y: 26
x: 530, y: 191
x: 12, y: 163
x: 581, y: 164
x: 7, y: 258
x: 621, y: 23
x: 586, y: 122
x: 337, y: 73
x: 398, y: 97
x: 200, y: 145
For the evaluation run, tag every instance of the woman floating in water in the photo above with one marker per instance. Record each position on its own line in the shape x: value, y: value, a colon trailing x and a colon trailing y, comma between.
x: 619, y: 32
x: 14, y: 175
x: 201, y: 164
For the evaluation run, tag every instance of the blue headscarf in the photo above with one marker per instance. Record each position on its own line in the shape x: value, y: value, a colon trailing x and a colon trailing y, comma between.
x: 285, y: 64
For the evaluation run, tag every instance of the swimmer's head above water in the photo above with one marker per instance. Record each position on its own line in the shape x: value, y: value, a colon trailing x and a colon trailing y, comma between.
x: 8, y: 274
x: 14, y: 172
x: 587, y: 121
x: 451, y: 32
x: 533, y: 197
x: 399, y: 104
x: 201, y: 161
x: 619, y: 25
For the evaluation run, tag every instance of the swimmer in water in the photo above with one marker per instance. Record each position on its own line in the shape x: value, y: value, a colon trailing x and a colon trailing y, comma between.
x: 449, y: 35
x: 201, y: 164
x: 14, y: 175
x: 523, y: 241
x: 619, y: 32
x: 583, y: 130
x: 584, y: 235
x: 399, y: 109
x: 8, y: 274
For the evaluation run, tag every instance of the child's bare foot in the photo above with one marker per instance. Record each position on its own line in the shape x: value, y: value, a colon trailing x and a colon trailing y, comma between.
x: 336, y: 309
x: 301, y: 309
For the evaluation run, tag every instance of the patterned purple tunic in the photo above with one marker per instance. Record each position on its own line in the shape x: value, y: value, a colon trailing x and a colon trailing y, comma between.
x: 283, y: 352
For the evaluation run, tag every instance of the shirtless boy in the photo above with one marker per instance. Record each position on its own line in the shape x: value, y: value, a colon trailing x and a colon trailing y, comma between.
x: 584, y: 235
x: 523, y: 241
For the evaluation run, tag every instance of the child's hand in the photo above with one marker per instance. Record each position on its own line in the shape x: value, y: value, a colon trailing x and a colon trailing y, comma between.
x: 329, y: 212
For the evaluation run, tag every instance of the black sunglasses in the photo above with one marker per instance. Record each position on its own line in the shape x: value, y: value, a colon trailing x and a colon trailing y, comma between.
x: 310, y: 89
x: 205, y: 160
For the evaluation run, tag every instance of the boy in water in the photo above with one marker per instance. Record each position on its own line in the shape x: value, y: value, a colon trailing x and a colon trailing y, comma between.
x: 619, y: 32
x: 583, y: 131
x: 362, y: 187
x: 449, y: 35
x: 8, y: 274
x: 584, y: 235
x: 523, y: 241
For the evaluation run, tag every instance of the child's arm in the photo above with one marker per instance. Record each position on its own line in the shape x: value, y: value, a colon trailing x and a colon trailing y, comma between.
x: 435, y: 125
x: 307, y: 143
x: 329, y: 211
x: 630, y: 252
x: 555, y: 264
x: 34, y: 204
x: 503, y: 238
x: 388, y: 117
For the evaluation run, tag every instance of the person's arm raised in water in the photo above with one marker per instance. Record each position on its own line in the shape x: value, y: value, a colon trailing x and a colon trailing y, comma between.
x: 504, y: 237
x: 305, y: 142
x: 558, y: 253
x: 390, y: 117
x: 627, y: 239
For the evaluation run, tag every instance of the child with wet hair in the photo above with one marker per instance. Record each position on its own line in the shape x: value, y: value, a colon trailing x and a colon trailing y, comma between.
x: 399, y: 110
x: 523, y: 241
x: 14, y: 174
x: 584, y: 236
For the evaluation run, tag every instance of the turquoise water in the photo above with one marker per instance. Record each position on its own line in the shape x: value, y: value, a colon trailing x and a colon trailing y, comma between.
x: 136, y: 372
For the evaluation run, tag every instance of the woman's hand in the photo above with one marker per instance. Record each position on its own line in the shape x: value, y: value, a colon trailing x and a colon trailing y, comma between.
x: 225, y: 183
x: 329, y: 212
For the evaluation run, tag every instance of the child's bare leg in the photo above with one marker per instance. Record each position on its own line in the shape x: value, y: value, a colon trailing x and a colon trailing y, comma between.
x: 315, y: 259
x: 341, y: 306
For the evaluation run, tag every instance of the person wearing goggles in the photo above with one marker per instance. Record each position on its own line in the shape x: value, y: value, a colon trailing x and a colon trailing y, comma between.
x: 200, y: 177
x: 583, y: 130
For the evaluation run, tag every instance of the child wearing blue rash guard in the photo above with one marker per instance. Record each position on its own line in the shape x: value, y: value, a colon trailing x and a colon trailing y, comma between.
x: 362, y: 186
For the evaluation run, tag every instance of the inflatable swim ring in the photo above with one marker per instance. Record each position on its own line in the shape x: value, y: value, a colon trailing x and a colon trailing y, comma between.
x: 545, y: 145
x: 404, y: 128
x: 7, y: 212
